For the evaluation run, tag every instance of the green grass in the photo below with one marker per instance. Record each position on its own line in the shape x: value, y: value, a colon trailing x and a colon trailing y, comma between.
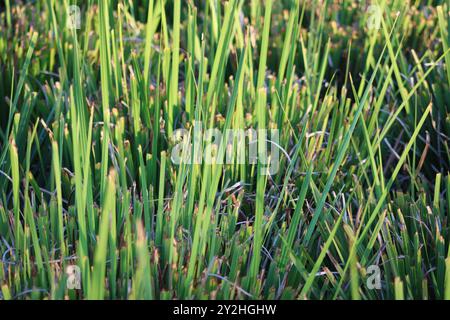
x: 87, y: 119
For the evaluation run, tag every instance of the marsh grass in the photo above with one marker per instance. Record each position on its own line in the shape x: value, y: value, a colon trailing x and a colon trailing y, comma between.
x: 86, y: 127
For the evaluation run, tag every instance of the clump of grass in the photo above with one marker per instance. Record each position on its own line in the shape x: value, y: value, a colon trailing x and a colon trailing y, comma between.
x: 86, y: 135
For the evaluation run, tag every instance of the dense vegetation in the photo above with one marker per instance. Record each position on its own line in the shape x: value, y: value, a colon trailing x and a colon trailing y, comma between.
x: 359, y: 92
